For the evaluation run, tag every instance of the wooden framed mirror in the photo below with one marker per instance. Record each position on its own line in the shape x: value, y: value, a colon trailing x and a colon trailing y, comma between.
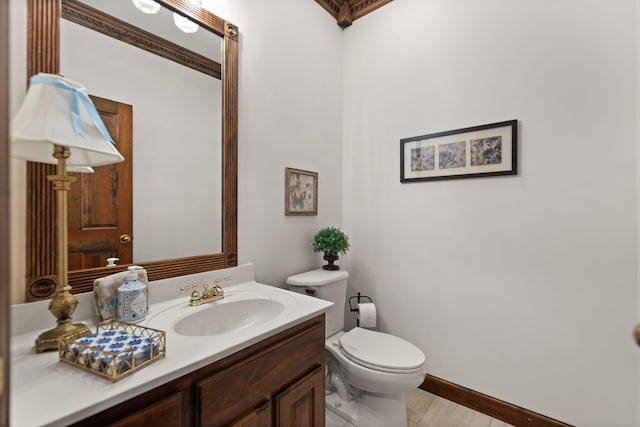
x: 43, y: 55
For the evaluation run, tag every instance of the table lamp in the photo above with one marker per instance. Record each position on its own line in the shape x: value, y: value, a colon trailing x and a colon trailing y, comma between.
x: 57, y: 123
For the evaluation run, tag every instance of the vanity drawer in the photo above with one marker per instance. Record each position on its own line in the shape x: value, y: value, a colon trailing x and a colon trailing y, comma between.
x: 225, y: 396
x: 148, y: 409
x: 163, y: 413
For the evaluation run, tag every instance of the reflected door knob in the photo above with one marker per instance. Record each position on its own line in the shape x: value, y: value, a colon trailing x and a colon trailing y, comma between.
x: 636, y: 334
x: 125, y: 238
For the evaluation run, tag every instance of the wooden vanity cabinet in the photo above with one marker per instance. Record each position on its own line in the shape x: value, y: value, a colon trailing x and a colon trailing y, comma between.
x: 276, y: 382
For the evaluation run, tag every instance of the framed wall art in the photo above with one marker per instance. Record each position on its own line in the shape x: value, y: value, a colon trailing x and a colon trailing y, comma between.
x: 477, y: 151
x: 301, y: 188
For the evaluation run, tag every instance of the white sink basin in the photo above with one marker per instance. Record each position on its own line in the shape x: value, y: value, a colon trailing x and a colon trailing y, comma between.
x: 237, y: 311
x: 235, y: 315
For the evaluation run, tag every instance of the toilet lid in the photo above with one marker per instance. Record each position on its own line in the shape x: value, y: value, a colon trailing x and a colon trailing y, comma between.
x: 380, y: 351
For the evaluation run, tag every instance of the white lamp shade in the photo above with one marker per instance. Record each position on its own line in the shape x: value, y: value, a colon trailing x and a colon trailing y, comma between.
x: 80, y: 169
x: 45, y: 119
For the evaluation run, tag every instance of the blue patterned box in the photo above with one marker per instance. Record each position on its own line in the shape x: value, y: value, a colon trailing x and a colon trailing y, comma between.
x: 116, y: 349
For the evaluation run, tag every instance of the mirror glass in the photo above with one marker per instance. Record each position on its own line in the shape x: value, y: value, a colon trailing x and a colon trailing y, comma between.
x: 184, y: 119
x: 176, y: 124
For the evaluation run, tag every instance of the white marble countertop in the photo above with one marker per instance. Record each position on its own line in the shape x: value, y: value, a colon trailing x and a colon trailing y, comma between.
x: 47, y: 392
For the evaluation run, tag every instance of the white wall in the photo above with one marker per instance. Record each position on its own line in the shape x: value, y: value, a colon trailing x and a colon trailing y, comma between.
x: 637, y: 17
x: 520, y: 287
x: 290, y: 115
x: 18, y: 172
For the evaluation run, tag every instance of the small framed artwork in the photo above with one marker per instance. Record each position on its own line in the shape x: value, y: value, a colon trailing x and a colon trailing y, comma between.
x: 486, y: 150
x: 301, y: 188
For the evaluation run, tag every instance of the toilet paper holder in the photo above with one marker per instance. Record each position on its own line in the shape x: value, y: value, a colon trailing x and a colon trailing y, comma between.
x: 359, y: 298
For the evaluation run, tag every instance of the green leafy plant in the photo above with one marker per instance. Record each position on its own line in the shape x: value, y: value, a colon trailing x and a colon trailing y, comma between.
x: 331, y: 241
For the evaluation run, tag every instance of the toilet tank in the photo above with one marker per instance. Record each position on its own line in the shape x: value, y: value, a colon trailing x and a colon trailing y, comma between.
x: 329, y: 286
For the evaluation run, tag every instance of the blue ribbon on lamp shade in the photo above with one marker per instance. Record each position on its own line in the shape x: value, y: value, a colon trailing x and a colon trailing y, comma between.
x: 77, y: 96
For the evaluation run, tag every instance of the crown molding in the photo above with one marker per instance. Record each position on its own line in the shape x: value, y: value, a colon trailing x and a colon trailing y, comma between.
x: 347, y: 11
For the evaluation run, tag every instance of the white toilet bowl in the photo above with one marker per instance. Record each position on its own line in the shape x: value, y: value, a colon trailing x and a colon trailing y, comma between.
x: 376, y: 369
x: 368, y: 371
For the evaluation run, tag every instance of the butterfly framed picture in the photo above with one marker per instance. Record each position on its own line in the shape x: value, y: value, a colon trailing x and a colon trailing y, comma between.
x: 301, y: 192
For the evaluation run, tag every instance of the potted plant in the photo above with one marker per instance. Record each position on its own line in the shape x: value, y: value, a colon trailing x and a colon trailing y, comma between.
x: 332, y: 241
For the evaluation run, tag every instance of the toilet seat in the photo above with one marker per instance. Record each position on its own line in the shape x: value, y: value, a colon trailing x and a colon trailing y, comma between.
x: 381, y: 352
x: 372, y: 380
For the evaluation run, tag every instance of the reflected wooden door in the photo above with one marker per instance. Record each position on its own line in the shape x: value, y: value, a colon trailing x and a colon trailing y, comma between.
x: 100, y: 204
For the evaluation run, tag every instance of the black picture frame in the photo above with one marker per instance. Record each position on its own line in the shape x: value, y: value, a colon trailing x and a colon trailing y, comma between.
x: 472, y: 152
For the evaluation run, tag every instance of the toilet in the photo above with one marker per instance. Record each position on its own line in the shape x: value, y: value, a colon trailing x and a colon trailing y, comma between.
x: 368, y: 372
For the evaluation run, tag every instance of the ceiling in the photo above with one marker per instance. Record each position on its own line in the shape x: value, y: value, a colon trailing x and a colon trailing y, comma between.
x: 347, y: 11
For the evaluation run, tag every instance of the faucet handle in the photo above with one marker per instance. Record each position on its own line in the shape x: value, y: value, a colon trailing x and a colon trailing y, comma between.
x: 217, y: 290
x: 195, y: 295
x: 194, y: 287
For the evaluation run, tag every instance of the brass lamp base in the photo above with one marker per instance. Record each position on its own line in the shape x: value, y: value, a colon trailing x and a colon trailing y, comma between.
x: 62, y: 305
x: 63, y: 302
x: 48, y: 340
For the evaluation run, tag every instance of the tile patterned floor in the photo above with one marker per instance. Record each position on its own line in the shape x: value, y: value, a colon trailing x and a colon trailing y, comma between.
x: 333, y: 420
x: 427, y: 410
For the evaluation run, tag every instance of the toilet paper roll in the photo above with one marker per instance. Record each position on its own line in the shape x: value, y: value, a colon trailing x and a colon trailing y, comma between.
x: 367, y: 314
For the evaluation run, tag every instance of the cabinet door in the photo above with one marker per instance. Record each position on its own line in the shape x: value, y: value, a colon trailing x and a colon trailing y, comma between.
x: 259, y: 417
x: 302, y: 403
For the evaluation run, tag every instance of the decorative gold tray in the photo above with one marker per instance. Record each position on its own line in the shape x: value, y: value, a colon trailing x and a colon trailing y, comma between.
x: 116, y: 350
